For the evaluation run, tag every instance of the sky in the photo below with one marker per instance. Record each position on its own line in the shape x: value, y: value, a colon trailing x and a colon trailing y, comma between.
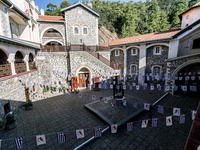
x: 43, y: 3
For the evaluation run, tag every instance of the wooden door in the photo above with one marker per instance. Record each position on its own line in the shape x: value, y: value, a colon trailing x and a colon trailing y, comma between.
x: 83, y: 80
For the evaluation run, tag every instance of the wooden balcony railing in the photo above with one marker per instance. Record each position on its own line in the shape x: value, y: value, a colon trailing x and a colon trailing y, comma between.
x: 20, y: 67
x: 47, y: 48
x: 32, y: 65
x: 5, y: 70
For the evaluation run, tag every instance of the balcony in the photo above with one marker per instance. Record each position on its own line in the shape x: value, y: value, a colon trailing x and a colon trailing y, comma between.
x: 20, y: 67
x: 54, y: 48
x: 5, y: 70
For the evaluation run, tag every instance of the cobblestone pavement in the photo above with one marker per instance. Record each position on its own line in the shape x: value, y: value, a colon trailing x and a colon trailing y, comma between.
x: 67, y: 113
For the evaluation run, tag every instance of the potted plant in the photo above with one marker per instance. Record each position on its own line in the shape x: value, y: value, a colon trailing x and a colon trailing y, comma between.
x: 10, y: 121
x: 28, y: 105
x: 45, y: 90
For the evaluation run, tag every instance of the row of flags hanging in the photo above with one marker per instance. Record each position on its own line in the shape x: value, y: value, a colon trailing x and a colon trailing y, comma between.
x: 61, y: 136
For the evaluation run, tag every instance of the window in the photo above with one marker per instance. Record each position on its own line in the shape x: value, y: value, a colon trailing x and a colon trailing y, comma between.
x: 156, y: 70
x: 85, y: 31
x: 133, y: 51
x: 76, y: 30
x: 196, y: 44
x: 133, y: 69
x: 116, y: 52
x: 157, y: 50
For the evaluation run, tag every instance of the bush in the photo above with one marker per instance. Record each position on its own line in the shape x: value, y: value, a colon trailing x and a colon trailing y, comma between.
x: 29, y: 103
x: 63, y: 88
x: 45, y: 90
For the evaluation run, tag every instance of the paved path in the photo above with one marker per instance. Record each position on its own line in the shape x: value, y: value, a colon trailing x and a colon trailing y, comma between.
x: 67, y: 113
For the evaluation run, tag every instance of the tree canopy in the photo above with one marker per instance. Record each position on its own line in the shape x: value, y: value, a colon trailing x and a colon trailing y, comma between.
x: 133, y: 18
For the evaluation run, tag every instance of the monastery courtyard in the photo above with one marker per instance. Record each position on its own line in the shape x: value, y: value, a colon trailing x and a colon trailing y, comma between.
x: 53, y: 113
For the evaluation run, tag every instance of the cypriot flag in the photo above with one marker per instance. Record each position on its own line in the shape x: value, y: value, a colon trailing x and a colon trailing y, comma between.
x: 144, y: 123
x: 169, y: 121
x: 152, y: 88
x: 176, y: 111
x: 80, y: 133
x: 114, y: 128
x: 193, y: 114
x: 40, y: 139
x: 146, y: 106
x: 137, y: 87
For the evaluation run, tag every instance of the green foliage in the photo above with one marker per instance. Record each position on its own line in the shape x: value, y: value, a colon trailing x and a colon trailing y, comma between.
x: 132, y: 18
x: 29, y: 103
x: 45, y: 90
x: 63, y: 88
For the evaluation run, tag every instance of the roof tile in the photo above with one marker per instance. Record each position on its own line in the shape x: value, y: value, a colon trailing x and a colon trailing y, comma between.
x: 51, y: 18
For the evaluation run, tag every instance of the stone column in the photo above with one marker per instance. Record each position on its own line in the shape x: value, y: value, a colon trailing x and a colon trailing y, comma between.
x: 26, y: 59
x: 125, y: 62
x: 142, y: 62
x: 11, y: 60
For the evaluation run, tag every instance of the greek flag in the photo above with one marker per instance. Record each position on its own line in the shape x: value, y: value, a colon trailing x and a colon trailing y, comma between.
x: 97, y: 132
x: 160, y: 109
x: 61, y: 137
x: 182, y: 119
x: 135, y: 104
x: 154, y: 122
x: 129, y: 126
x: 19, y: 143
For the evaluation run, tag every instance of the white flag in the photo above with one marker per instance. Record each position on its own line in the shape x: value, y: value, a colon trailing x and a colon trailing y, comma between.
x: 176, y: 111
x: 40, y: 139
x: 124, y: 87
x: 144, y: 123
x: 193, y: 114
x: 184, y: 88
x: 137, y: 87
x: 167, y: 88
x: 146, y: 106
x: 169, y: 121
x: 111, y: 86
x: 152, y: 88
x: 93, y: 97
x: 134, y: 84
x: 114, y: 128
x: 80, y: 133
x: 124, y: 102
x: 105, y: 100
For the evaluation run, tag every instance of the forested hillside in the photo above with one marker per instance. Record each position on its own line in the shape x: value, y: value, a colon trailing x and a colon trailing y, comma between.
x: 133, y: 18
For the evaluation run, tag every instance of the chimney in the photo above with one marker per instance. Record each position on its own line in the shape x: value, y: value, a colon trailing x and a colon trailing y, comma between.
x: 42, y: 12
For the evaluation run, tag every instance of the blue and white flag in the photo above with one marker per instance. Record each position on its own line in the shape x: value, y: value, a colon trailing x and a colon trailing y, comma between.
x: 86, y: 96
x: 61, y: 137
x: 193, y: 78
x: 187, y: 78
x: 182, y: 119
x: 180, y: 78
x: 135, y: 104
x: 19, y: 143
x: 160, y: 109
x: 74, y: 93
x: 114, y: 102
x: 130, y: 87
x: 80, y: 95
x: 154, y: 122
x: 193, y: 88
x: 100, y: 86
x: 175, y: 88
x: 134, y: 84
x: 101, y: 97
x: 129, y: 126
x: 97, y: 132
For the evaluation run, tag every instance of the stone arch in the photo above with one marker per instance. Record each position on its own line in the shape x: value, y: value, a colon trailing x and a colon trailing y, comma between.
x: 116, y: 49
x: 155, y: 44
x: 184, y: 65
x: 31, y: 57
x: 132, y: 47
x: 46, y: 29
x: 3, y: 57
x: 19, y: 57
x: 52, y: 41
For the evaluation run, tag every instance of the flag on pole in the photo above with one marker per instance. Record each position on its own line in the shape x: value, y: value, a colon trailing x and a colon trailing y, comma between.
x: 111, y: 86
x: 169, y: 121
x: 193, y: 114
x: 80, y: 133
x: 146, y: 106
x: 151, y: 87
x: 40, y: 140
x: 97, y: 132
x: 105, y: 100
x: 129, y: 126
x: 19, y: 143
x: 144, y: 123
x: 154, y: 122
x: 160, y: 109
x: 114, y: 128
x: 176, y: 111
x: 61, y: 137
x: 182, y: 119
x: 137, y: 87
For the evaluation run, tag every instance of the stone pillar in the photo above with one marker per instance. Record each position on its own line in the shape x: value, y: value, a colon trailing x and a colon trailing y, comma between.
x: 142, y: 62
x: 125, y: 62
x: 26, y: 59
x: 11, y: 60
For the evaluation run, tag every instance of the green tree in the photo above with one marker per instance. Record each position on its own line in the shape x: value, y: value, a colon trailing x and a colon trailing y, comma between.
x: 65, y: 4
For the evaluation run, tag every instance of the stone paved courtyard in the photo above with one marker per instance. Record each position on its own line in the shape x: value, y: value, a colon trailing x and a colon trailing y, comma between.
x: 67, y: 113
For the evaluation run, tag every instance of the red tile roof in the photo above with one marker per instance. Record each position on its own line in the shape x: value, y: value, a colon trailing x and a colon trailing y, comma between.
x: 143, y: 38
x: 51, y: 18
x: 194, y: 6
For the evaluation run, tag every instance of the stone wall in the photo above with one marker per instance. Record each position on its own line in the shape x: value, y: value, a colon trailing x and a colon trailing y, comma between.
x: 80, y: 17
x: 105, y: 54
x: 4, y: 25
x: 53, y: 67
x: 159, y: 60
x: 132, y: 60
x: 118, y: 59
x: 44, y: 26
x: 14, y: 28
x: 13, y: 91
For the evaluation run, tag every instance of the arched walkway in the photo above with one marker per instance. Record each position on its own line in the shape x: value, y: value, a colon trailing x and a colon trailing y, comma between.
x: 3, y: 57
x: 83, y: 77
x: 20, y: 65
